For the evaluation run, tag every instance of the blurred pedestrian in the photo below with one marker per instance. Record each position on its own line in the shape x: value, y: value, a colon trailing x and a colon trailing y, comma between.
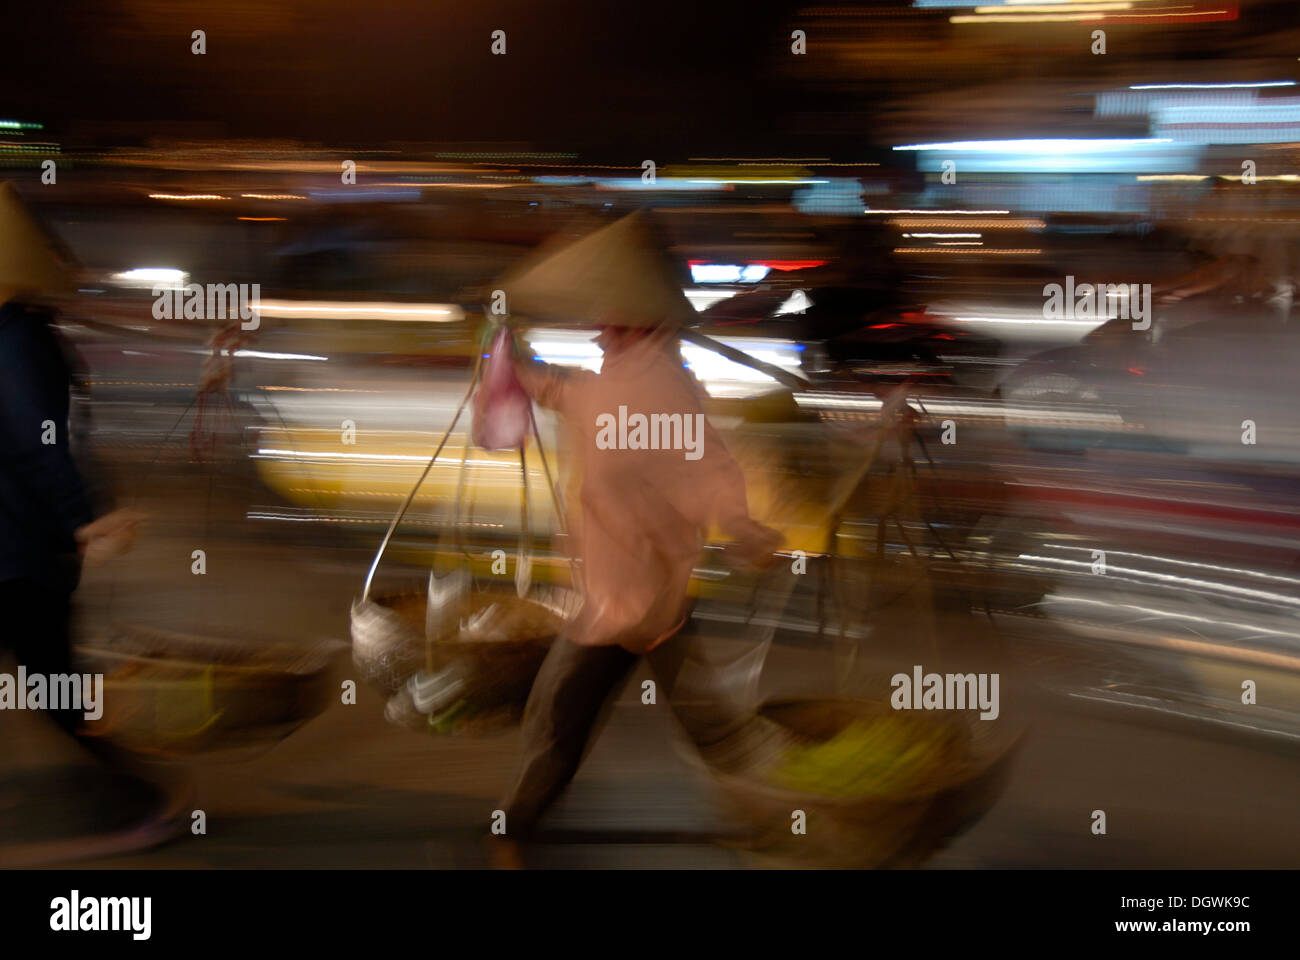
x: 637, y: 527
x: 47, y: 527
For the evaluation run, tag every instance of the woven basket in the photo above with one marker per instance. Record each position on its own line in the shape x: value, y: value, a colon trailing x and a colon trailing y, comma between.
x: 168, y: 693
x: 901, y: 827
x: 499, y: 664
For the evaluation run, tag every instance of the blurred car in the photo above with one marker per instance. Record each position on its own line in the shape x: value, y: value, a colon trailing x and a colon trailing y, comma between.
x: 855, y: 333
x: 1192, y: 387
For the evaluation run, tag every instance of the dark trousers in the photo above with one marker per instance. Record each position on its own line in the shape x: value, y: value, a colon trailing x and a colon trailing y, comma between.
x: 568, y: 703
x: 35, y: 627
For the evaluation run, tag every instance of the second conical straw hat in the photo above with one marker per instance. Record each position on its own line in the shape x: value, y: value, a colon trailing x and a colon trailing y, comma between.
x: 617, y: 275
x: 30, y: 262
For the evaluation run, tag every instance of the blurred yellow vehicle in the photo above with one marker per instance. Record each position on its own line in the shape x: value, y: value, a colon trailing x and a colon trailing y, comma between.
x: 792, y: 474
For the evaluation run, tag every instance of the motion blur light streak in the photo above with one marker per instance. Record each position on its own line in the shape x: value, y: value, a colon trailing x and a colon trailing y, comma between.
x: 1031, y: 18
x: 986, y: 251
x: 1244, y: 571
x: 1137, y: 576
x: 152, y: 276
x: 264, y: 355
x: 720, y: 376
x: 936, y: 213
x: 306, y: 309
x: 1211, y: 86
x: 186, y: 196
x: 939, y: 407
x: 326, y: 455
x: 1052, y: 147
x: 727, y: 272
x: 1015, y: 224
x: 1034, y: 320
x: 1081, y: 7
x: 1255, y: 630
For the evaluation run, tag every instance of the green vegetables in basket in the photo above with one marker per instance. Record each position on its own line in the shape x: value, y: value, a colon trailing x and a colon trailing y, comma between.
x: 880, y: 756
x: 446, y: 720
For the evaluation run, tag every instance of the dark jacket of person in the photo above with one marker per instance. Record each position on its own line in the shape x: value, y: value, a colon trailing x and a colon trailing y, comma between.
x: 42, y: 498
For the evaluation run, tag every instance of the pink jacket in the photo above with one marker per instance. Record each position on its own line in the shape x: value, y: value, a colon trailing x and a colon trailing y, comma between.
x: 641, y: 514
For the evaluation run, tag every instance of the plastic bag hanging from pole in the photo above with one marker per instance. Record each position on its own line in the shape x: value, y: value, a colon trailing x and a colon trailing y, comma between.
x: 503, y: 415
x: 502, y: 409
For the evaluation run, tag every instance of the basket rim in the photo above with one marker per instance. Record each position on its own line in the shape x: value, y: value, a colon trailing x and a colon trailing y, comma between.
x: 966, y: 773
x: 305, y: 657
x: 561, y: 611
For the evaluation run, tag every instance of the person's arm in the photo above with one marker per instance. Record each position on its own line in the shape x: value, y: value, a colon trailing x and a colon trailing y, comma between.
x: 710, y: 493
x: 753, y: 542
x: 1211, y: 276
x: 550, y: 385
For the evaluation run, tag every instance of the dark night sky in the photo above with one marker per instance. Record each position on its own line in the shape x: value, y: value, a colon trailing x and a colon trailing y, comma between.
x: 618, y: 79
x: 586, y: 74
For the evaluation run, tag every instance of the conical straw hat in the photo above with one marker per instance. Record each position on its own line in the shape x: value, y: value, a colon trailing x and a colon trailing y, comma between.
x: 618, y: 275
x: 30, y: 262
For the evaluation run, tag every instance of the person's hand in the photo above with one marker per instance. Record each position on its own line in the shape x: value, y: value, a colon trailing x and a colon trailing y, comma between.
x: 110, y: 535
x: 756, y: 547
